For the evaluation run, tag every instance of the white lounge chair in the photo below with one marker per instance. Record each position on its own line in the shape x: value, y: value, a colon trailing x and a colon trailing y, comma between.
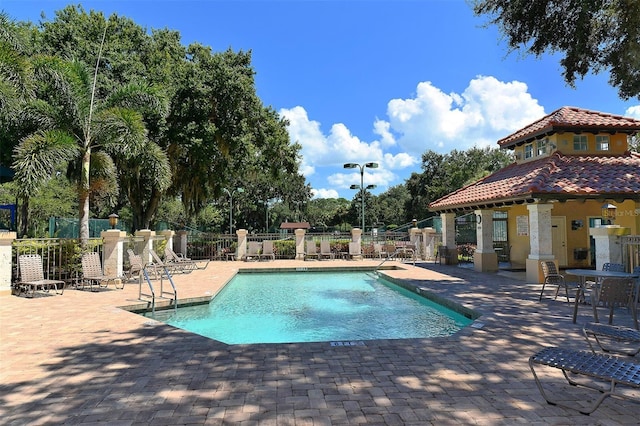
x: 325, y: 250
x: 253, y: 251
x: 312, y: 250
x: 32, y: 276
x: 92, y: 274
x: 267, y: 250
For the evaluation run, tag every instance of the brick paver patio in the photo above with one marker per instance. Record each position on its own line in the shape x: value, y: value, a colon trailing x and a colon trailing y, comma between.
x: 80, y: 359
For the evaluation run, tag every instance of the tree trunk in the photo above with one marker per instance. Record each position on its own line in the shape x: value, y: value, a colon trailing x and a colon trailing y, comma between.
x: 24, y: 217
x: 83, y: 199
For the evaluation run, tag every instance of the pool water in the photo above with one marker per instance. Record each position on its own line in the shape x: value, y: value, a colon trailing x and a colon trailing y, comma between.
x: 314, y: 307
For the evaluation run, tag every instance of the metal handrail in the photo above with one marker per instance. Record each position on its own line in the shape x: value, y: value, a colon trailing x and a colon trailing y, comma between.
x: 173, y: 293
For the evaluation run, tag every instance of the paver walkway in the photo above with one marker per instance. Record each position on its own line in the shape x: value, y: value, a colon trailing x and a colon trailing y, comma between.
x: 80, y: 359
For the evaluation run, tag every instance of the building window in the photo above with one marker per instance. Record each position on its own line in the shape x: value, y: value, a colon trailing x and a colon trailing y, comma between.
x: 602, y: 143
x: 542, y: 146
x: 528, y: 151
x: 580, y: 143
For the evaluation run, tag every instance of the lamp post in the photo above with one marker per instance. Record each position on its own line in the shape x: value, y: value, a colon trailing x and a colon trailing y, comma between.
x: 230, y: 194
x: 362, y: 187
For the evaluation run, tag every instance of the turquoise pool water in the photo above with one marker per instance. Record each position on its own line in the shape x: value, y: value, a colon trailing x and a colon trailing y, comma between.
x: 314, y: 307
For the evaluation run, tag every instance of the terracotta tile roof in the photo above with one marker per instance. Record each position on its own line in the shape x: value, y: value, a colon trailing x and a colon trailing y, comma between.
x: 557, y: 176
x: 571, y: 119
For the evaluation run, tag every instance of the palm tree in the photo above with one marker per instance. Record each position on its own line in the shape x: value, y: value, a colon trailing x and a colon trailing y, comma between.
x: 76, y: 127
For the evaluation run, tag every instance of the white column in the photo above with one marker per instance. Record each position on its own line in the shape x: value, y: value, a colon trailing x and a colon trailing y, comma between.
x: 146, y: 244
x: 168, y: 235
x: 300, y: 248
x: 608, y: 247
x: 484, y: 257
x: 180, y: 242
x: 242, y: 243
x: 540, y: 240
x: 428, y: 243
x: 449, y: 233
x: 484, y: 231
x: 6, y: 240
x: 113, y: 252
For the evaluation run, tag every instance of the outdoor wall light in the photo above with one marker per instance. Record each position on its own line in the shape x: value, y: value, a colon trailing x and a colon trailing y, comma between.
x: 113, y: 220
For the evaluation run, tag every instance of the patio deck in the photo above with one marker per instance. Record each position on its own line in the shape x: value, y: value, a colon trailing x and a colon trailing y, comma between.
x: 79, y: 359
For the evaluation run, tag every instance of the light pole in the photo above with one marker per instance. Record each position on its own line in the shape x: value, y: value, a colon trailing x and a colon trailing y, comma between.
x: 362, y: 187
x: 230, y: 194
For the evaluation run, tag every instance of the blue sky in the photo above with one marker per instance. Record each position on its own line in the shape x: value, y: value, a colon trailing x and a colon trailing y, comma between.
x: 370, y: 80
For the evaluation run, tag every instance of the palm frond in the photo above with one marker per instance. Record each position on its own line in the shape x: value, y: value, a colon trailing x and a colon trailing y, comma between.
x: 38, y: 155
x: 120, y: 130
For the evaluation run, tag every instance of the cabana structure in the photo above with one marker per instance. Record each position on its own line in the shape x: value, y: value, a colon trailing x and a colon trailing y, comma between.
x: 574, y: 182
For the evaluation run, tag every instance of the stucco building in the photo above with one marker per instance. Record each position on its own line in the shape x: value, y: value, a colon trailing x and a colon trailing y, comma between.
x: 568, y: 165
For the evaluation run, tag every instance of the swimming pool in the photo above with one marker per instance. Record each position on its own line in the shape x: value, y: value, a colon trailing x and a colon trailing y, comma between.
x: 291, y: 307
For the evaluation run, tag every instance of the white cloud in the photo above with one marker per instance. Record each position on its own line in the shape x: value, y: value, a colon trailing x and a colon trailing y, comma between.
x: 633, y: 112
x: 486, y: 111
x: 325, y: 193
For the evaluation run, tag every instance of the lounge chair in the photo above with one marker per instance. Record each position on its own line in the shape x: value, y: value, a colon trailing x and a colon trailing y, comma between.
x: 187, y: 264
x: 267, y: 250
x: 325, y: 250
x: 92, y: 274
x: 312, y: 250
x: 136, y: 265
x: 552, y: 277
x: 253, y: 251
x: 612, y: 338
x: 618, y: 372
x: 164, y: 267
x: 378, y: 251
x: 32, y: 276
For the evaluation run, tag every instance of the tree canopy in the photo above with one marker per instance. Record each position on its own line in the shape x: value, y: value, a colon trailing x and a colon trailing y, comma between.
x: 593, y: 35
x: 207, y: 132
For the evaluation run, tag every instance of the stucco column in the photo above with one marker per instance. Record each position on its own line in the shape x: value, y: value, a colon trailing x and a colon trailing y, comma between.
x: 428, y: 243
x: 449, y: 234
x: 608, y: 247
x: 242, y: 243
x: 356, y: 237
x: 415, y: 238
x: 540, y: 240
x: 484, y: 257
x: 143, y: 247
x: 168, y: 235
x: 6, y: 239
x: 180, y: 242
x: 113, y: 252
x: 300, y: 249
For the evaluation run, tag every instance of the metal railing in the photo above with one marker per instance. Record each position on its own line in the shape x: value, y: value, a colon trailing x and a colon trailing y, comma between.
x: 61, y: 257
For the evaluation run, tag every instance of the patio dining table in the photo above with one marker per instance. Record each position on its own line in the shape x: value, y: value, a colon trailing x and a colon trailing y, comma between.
x: 583, y: 274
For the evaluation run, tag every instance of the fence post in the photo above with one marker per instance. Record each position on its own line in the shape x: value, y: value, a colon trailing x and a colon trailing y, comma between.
x: 147, y: 244
x: 415, y: 237
x: 356, y: 237
x: 6, y: 239
x: 300, y: 249
x: 113, y: 251
x: 242, y: 243
x: 180, y: 242
x: 168, y: 235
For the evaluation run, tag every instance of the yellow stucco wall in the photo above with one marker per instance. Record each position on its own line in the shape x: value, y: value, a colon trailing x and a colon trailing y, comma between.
x: 564, y: 143
x: 627, y: 215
